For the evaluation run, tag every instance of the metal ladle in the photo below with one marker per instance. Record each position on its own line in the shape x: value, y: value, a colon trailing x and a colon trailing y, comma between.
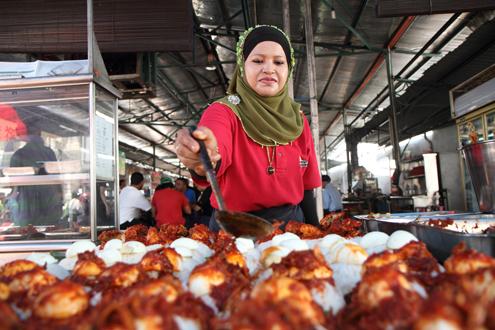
x: 236, y: 223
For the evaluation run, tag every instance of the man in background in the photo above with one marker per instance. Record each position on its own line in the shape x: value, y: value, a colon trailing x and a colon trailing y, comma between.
x: 332, y: 199
x: 134, y: 207
x: 182, y: 185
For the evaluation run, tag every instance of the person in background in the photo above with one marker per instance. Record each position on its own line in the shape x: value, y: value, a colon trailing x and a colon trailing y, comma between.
x: 2, y: 206
x: 11, y: 206
x: 42, y: 204
x: 168, y: 204
x: 75, y: 209
x: 122, y: 184
x: 358, y: 182
x: 164, y: 183
x: 325, y: 179
x: 396, y: 190
x: 258, y: 139
x: 203, y: 207
x: 332, y: 199
x: 182, y: 185
x: 104, y: 208
x: 134, y: 207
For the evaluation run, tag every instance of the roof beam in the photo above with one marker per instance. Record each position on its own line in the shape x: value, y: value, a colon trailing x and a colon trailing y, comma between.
x: 380, y: 59
x: 377, y: 63
x: 194, y: 65
x: 391, y: 8
x: 145, y: 153
x: 216, y: 43
x: 144, y: 139
x: 191, y: 74
x: 246, y: 13
x: 348, y: 49
x: 347, y: 41
x: 170, y: 86
x: 351, y: 28
x: 380, y: 97
x: 226, y: 22
x: 211, y: 50
x: 165, y: 136
x: 181, y: 63
x: 425, y: 84
x: 157, y: 110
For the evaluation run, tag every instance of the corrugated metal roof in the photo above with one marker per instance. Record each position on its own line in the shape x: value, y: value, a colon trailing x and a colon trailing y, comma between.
x: 184, y: 86
x: 186, y: 100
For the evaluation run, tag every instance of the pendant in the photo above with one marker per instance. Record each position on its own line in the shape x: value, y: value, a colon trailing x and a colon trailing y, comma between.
x: 270, y: 170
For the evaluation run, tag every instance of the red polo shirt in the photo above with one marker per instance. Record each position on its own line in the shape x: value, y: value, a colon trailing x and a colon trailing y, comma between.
x: 168, y: 204
x: 243, y: 177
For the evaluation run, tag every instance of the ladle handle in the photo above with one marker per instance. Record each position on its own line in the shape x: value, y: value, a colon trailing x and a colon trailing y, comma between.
x: 210, y: 174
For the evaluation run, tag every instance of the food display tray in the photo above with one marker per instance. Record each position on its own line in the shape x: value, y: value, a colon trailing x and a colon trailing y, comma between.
x: 12, y: 237
x: 440, y: 231
x: 62, y: 235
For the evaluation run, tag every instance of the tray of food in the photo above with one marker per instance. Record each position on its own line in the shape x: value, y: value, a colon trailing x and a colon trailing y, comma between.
x: 20, y: 233
x: 390, y: 222
x: 19, y: 171
x: 441, y: 231
x: 302, y: 277
x: 65, y: 233
x: 11, y: 237
x: 462, y: 223
x: 62, y: 167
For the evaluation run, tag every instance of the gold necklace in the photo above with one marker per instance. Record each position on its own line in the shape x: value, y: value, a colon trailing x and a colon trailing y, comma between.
x: 270, y: 169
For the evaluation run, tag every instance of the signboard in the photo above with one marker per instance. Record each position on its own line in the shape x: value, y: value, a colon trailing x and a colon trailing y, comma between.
x: 104, y: 148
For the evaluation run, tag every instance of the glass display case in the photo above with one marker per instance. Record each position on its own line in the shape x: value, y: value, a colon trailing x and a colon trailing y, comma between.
x: 58, y: 161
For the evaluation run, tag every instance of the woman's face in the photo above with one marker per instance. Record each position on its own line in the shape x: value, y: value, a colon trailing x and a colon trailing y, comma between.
x: 266, y: 68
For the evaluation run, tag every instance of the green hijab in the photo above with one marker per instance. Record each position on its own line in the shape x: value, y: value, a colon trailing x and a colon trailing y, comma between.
x: 267, y: 120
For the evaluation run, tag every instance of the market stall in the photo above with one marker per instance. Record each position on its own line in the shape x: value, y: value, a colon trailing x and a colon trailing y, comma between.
x: 75, y: 269
x: 59, y: 164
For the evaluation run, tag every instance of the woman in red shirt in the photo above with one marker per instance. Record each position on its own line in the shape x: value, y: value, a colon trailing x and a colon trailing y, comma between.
x: 168, y: 204
x: 257, y: 137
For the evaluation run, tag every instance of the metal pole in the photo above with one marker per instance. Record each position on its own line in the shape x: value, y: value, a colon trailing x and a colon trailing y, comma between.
x: 347, y: 151
x: 92, y: 162
x: 313, y: 103
x: 286, y: 23
x: 90, y: 34
x: 246, y: 13
x: 92, y: 129
x: 394, y: 133
x: 154, y: 157
x: 116, y: 186
x: 255, y: 13
x: 326, y: 153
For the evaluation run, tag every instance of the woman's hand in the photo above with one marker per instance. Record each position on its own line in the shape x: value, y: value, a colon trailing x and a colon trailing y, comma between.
x: 187, y: 148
